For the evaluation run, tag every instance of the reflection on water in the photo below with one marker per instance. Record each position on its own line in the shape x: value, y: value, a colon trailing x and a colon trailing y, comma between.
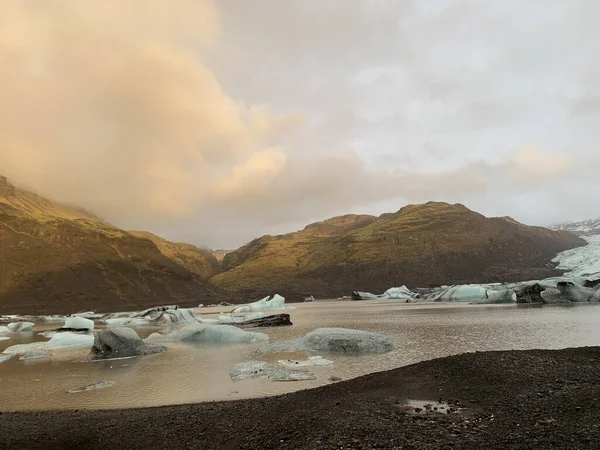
x: 193, y: 372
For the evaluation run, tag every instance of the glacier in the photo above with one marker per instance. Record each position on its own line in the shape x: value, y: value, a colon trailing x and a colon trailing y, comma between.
x: 581, y: 261
x: 341, y: 340
x: 209, y: 333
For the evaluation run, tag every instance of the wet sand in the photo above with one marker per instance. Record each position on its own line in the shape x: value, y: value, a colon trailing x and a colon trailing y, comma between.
x: 534, y: 399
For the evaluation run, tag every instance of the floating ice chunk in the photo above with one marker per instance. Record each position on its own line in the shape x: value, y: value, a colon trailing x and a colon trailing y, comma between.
x: 20, y: 326
x: 172, y: 317
x: 97, y: 385
x: 396, y: 293
x: 209, y: 333
x: 120, y: 343
x: 121, y: 321
x: 6, y: 356
x: 4, y: 329
x: 311, y: 361
x: 341, y: 340
x: 69, y: 339
x: 80, y: 323
x: 240, y: 319
x: 92, y: 315
x: 35, y: 355
x: 153, y: 311
x: 210, y: 321
x: 262, y: 369
x: 499, y: 296
x: 4, y: 338
x: 277, y: 303
x: 574, y: 292
x: 24, y: 348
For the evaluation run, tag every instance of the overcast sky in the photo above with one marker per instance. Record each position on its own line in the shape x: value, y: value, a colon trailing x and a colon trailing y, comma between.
x: 215, y: 123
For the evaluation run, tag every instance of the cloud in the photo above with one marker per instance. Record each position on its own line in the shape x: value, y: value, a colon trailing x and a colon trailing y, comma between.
x: 216, y: 122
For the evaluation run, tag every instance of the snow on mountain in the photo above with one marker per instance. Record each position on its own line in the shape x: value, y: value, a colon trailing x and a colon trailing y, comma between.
x: 583, y: 228
x: 581, y: 261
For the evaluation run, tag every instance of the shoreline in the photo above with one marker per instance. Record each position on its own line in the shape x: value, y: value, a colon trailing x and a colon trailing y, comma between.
x: 513, y: 399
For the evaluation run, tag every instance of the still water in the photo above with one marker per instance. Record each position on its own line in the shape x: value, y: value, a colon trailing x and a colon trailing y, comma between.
x: 195, y: 372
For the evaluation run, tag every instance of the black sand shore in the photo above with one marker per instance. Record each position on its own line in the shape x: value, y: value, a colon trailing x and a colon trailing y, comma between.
x: 536, y: 399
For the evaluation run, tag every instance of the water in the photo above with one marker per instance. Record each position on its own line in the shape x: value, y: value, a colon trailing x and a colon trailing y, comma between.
x: 195, y: 372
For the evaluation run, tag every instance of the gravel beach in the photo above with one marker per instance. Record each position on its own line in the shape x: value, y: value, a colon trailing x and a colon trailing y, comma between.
x: 535, y: 399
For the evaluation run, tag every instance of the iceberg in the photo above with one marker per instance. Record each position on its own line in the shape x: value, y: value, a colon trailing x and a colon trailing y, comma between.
x: 4, y: 329
x: 120, y: 343
x: 395, y: 293
x: 19, y: 349
x: 20, y: 326
x: 209, y: 333
x: 341, y: 340
x: 311, y: 361
x: 70, y: 339
x: 262, y: 369
x: 173, y: 317
x: 277, y: 303
x: 574, y: 292
x: 240, y: 319
x: 475, y: 293
x: 78, y: 323
x: 121, y: 321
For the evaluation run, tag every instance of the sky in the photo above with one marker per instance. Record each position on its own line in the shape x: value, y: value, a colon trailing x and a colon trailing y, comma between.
x: 218, y: 122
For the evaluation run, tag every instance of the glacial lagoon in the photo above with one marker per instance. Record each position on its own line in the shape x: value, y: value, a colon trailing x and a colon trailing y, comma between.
x: 199, y: 371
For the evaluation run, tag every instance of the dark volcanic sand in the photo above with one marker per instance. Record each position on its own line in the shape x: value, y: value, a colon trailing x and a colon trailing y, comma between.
x: 536, y: 399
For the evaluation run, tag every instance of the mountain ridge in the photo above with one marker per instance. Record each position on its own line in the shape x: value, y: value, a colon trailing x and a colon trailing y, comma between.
x: 59, y: 259
x: 419, y: 245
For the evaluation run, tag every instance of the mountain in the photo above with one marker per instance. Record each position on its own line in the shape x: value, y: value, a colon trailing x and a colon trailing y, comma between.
x: 420, y: 245
x: 583, y: 228
x: 60, y: 259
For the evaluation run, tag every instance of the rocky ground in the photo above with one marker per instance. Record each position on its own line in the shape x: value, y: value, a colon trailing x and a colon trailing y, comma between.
x: 536, y: 399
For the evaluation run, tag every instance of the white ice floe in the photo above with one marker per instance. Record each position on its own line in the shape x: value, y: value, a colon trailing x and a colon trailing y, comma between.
x: 69, y: 339
x: 241, y: 319
x: 277, y: 303
x: 262, y: 369
x: 581, y: 261
x: 474, y: 293
x: 4, y: 338
x: 395, y: 293
x: 209, y: 333
x: 94, y: 386
x: 340, y: 340
x: 21, y: 326
x: 121, y: 321
x: 80, y: 323
x: 6, y: 356
x: 4, y: 329
x: 41, y: 354
x: 311, y: 361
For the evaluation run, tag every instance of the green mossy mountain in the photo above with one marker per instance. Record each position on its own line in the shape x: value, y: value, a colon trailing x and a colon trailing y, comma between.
x: 419, y: 246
